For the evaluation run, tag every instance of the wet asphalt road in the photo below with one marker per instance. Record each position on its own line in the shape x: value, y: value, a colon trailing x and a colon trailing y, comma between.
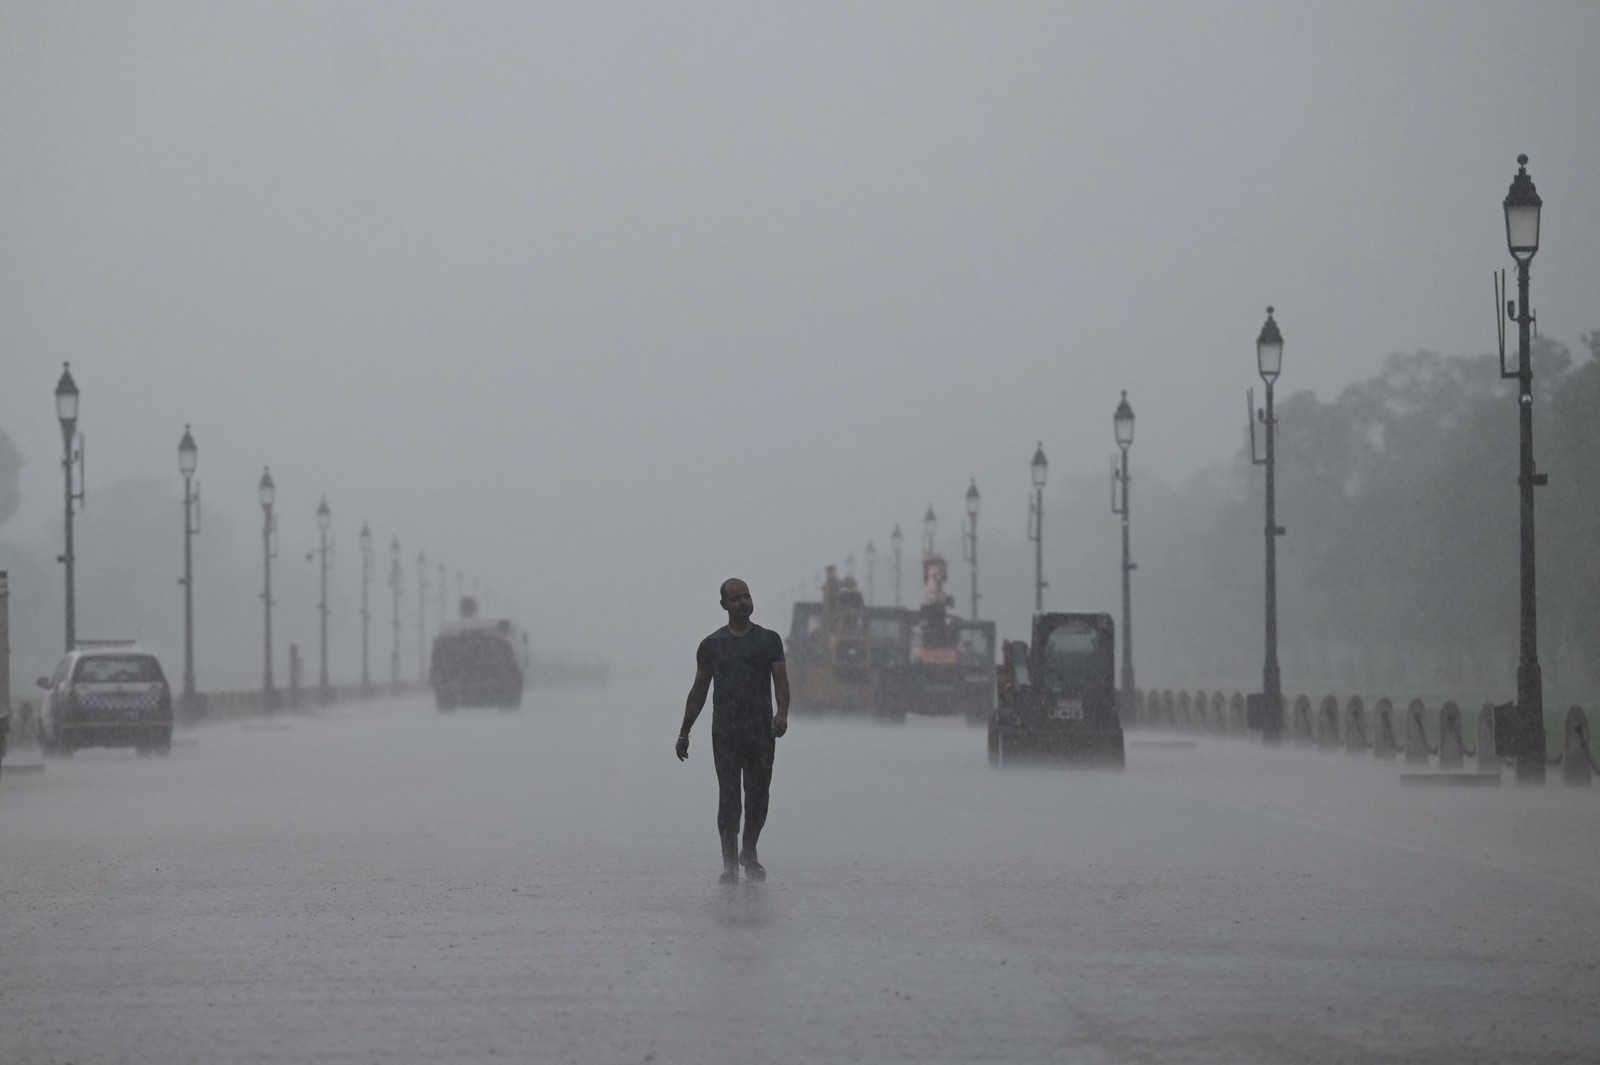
x: 386, y: 884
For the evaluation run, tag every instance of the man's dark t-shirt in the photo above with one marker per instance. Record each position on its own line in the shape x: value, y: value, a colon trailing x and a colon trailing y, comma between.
x: 741, y: 672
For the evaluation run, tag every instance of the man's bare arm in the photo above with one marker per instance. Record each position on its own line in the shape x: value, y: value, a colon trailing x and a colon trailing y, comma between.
x: 780, y: 686
x: 691, y: 710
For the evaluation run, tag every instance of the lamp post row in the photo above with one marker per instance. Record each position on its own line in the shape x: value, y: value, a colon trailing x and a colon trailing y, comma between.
x: 189, y: 707
x: 1525, y: 732
x: 1522, y: 731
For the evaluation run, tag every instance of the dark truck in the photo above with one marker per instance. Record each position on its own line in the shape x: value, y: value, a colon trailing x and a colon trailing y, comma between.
x: 1057, y: 699
x: 477, y: 662
x: 942, y: 664
x: 951, y: 666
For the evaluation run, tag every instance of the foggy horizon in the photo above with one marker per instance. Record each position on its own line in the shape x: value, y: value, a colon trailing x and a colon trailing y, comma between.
x: 599, y: 304
x: 604, y: 304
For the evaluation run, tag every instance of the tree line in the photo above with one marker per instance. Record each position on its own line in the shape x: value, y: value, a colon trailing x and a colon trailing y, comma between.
x: 1400, y: 561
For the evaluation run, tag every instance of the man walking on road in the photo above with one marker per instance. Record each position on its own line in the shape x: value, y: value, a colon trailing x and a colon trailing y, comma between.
x: 746, y: 662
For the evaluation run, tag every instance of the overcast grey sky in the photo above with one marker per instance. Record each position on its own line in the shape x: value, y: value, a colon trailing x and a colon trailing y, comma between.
x: 609, y: 301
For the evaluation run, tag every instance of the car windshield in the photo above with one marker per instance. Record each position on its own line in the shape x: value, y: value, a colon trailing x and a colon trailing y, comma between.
x: 118, y: 669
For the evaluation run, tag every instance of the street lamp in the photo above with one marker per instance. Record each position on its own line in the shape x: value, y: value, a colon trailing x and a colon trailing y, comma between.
x: 1269, y: 361
x: 422, y: 617
x: 266, y: 492
x: 969, y: 541
x: 366, y: 612
x: 71, y: 455
x: 324, y: 530
x: 896, y: 542
x: 394, y: 586
x: 188, y: 460
x: 872, y: 565
x: 1122, y: 425
x: 1522, y: 205
x: 930, y: 529
x: 1038, y: 468
x: 444, y: 613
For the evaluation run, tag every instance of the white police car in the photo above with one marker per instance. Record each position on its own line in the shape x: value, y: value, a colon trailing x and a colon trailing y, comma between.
x: 106, y: 693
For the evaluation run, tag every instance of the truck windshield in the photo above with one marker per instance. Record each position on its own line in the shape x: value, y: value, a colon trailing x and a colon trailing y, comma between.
x: 1071, y: 660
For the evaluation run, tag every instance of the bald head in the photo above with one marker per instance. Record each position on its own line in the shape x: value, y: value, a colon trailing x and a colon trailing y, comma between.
x: 737, y: 602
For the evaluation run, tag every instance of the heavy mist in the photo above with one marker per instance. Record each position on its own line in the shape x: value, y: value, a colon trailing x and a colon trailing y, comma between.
x: 600, y: 306
x: 583, y: 308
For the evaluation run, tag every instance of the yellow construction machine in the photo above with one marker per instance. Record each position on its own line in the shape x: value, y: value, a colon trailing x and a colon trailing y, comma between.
x: 830, y: 650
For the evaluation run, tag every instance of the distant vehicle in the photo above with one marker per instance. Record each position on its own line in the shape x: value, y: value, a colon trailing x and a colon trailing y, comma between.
x: 1057, y: 699
x: 945, y: 663
x: 829, y: 650
x: 106, y: 693
x: 477, y: 662
x: 887, y: 660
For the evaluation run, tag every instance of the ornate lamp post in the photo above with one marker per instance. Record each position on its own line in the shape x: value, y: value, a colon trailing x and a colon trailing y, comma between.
x: 71, y: 455
x: 422, y: 617
x: 872, y: 565
x: 324, y: 531
x: 1038, y: 469
x: 188, y: 460
x: 896, y: 542
x: 1522, y: 205
x: 444, y: 613
x: 267, y: 492
x: 969, y: 541
x: 1269, y: 361
x: 1122, y: 424
x: 366, y: 612
x: 394, y: 587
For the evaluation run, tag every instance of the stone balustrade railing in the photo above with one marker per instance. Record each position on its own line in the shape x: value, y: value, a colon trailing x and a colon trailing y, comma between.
x: 1417, y: 736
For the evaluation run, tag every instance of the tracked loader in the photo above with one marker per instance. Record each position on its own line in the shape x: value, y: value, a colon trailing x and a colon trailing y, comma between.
x: 1056, y: 701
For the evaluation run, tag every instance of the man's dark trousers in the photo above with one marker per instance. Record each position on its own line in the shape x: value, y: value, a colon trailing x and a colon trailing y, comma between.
x: 748, y: 757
